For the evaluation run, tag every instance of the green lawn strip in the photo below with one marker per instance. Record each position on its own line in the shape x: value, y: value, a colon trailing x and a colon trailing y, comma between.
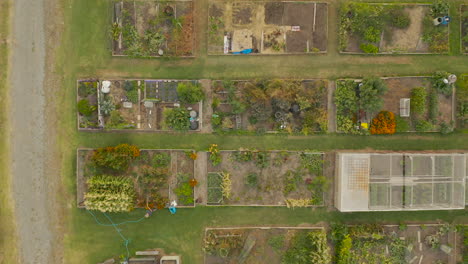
x: 183, y: 232
x: 269, y: 142
x: 8, y: 251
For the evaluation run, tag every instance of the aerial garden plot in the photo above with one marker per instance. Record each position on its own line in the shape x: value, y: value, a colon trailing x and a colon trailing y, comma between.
x: 270, y: 105
x: 464, y: 28
x: 394, y: 28
x: 246, y: 27
x: 395, y: 244
x: 152, y: 28
x: 148, y: 105
x: 400, y: 104
x: 120, y: 178
x: 266, y: 245
x: 271, y: 178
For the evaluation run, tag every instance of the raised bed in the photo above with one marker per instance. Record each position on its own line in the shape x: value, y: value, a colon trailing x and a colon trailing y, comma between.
x: 267, y: 27
x: 273, y: 245
x: 464, y: 28
x: 391, y: 28
x: 137, y: 105
x: 87, y: 104
x: 437, y: 109
x: 298, y: 106
x: 412, y: 243
x: 152, y: 28
x: 273, y: 178
x: 158, y: 176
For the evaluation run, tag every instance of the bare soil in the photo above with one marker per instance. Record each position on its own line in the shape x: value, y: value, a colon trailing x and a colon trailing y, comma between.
x: 262, y: 251
x: 271, y: 181
x: 260, y: 19
x: 401, y: 88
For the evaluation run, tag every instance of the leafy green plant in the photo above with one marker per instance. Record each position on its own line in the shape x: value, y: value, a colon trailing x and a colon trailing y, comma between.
x: 418, y: 100
x: 161, y: 160
x: 262, y: 159
x: 308, y: 247
x: 369, y: 48
x: 106, y: 105
x: 251, y: 180
x: 116, y: 31
x: 215, y: 156
x: 85, y: 108
x: 438, y: 82
x: 439, y: 8
x: 226, y: 184
x: 277, y: 242
x: 312, y: 162
x: 402, y: 125
x: 423, y: 126
x: 115, y: 120
x: 433, y: 106
x: 290, y: 181
x: 153, y: 40
x: 184, y: 190
x: 190, y: 93
x: 399, y: 18
x: 117, y: 158
x: 446, y: 128
x: 177, y: 118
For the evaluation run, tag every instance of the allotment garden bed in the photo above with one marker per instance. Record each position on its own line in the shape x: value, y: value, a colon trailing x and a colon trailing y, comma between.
x: 149, y: 105
x: 464, y: 28
x: 152, y: 28
x: 266, y: 245
x: 401, y: 104
x: 270, y: 105
x: 116, y: 179
x: 246, y: 27
x: 393, y: 28
x: 394, y: 244
x: 270, y: 178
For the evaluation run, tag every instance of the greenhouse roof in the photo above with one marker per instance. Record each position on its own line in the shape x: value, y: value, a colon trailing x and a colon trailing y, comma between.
x: 400, y: 181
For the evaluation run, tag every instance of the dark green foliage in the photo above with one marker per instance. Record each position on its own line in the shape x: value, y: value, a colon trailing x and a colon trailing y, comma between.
x: 312, y: 162
x: 262, y: 159
x: 439, y: 84
x: 184, y: 191
x: 435, y: 36
x: 87, y: 88
x: 190, y: 93
x: 433, y: 106
x: 161, y: 160
x: 423, y: 126
x: 276, y: 242
x: 402, y: 125
x: 370, y: 94
x: 251, y: 180
x: 345, y: 97
x: 369, y: 48
x: 308, y: 247
x: 399, y: 18
x: 85, y: 108
x: 446, y: 128
x: 178, y: 118
x: 318, y: 186
x: 439, y: 8
x: 115, y: 120
x: 418, y: 100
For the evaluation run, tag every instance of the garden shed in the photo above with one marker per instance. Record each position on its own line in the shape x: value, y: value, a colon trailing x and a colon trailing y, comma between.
x: 400, y: 181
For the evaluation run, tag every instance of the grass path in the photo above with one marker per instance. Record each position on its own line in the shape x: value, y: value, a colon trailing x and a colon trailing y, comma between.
x: 8, y: 251
x: 85, y: 53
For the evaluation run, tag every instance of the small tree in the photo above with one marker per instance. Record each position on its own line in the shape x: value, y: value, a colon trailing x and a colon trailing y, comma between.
x: 190, y: 93
x: 370, y: 94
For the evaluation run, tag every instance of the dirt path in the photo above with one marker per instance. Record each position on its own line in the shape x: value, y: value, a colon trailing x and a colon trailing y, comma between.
x: 31, y: 146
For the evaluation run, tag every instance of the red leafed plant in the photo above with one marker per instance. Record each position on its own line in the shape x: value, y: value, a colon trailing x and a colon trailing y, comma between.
x: 384, y: 123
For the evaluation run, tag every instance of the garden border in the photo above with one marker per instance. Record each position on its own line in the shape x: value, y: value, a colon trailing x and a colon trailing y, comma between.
x: 279, y: 54
x: 113, y: 18
x: 135, y: 130
x: 453, y: 116
x: 323, y: 205
x: 262, y: 228
x: 80, y: 179
x: 395, y: 53
x: 462, y: 51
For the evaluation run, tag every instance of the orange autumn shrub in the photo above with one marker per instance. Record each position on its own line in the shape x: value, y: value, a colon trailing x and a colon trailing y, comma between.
x: 384, y: 123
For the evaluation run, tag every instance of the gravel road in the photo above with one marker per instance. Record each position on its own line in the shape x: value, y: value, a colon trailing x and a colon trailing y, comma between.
x: 28, y: 134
